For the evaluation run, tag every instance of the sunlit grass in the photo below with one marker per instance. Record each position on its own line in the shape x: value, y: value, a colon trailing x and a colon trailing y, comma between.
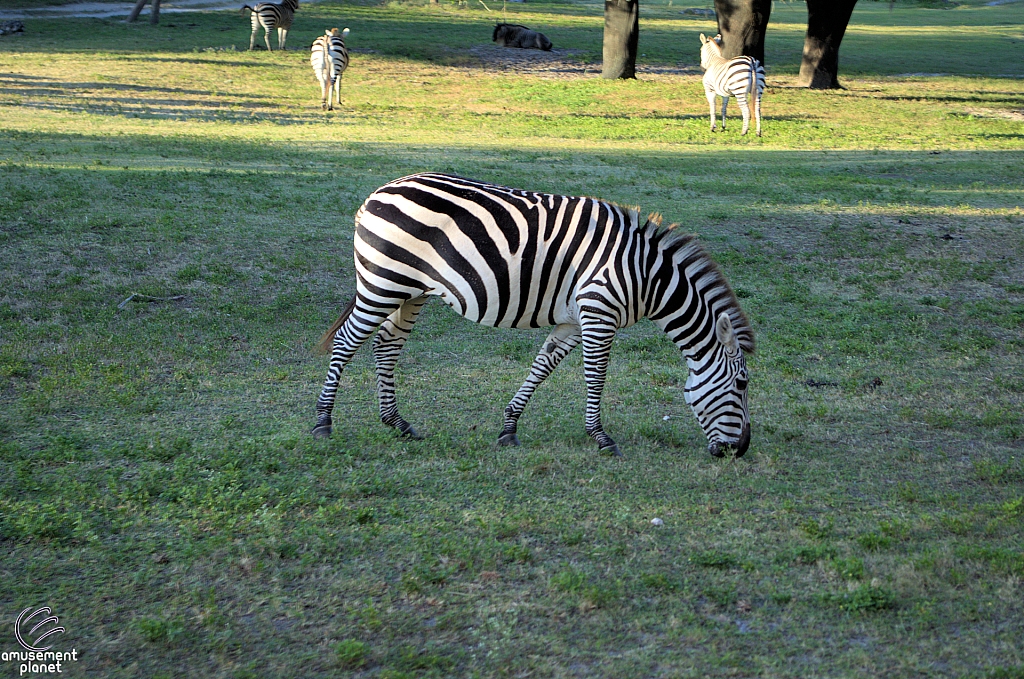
x: 160, y: 490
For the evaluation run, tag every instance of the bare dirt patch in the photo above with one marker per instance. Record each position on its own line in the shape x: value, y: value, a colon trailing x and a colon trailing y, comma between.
x: 557, y: 63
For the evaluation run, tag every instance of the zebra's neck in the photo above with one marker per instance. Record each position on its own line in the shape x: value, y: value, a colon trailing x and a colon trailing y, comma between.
x: 686, y: 293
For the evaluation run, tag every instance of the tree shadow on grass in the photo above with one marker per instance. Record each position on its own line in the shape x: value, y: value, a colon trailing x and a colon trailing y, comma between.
x: 774, y: 176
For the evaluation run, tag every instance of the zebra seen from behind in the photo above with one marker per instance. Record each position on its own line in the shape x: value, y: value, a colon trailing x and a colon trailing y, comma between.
x: 518, y: 259
x: 737, y: 77
x: 329, y: 58
x: 272, y: 15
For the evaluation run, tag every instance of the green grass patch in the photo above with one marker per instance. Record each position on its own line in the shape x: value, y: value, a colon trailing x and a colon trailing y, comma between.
x: 176, y: 223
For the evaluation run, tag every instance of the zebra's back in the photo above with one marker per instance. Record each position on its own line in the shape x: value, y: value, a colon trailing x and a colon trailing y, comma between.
x: 499, y: 256
x: 732, y: 77
x: 272, y: 15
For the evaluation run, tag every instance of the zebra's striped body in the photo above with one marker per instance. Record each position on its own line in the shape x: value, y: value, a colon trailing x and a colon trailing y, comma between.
x: 272, y: 15
x: 518, y: 259
x: 738, y: 77
x: 329, y: 58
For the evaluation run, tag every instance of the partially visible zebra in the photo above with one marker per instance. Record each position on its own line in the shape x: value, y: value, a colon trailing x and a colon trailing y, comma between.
x: 272, y: 15
x: 736, y: 77
x: 329, y: 58
x: 518, y: 259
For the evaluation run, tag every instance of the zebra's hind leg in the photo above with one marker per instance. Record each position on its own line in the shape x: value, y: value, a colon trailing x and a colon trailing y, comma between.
x: 741, y: 99
x: 557, y: 346
x: 757, y: 112
x: 597, y: 343
x: 725, y: 103
x: 254, y: 20
x: 266, y: 38
x: 337, y: 89
x: 360, y: 321
x: 387, y: 346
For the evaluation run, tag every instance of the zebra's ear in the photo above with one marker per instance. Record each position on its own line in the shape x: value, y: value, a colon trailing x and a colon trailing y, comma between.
x: 703, y: 38
x: 725, y: 333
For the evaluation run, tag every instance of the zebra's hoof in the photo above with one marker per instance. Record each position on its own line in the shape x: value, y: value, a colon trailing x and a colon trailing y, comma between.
x: 612, y: 450
x: 409, y: 433
x: 322, y: 431
x: 508, y: 440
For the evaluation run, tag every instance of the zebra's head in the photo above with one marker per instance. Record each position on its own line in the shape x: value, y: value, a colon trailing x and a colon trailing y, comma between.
x: 716, y: 389
x: 709, y: 48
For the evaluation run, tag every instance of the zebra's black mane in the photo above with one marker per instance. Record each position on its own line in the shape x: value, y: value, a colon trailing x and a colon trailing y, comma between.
x: 685, y: 248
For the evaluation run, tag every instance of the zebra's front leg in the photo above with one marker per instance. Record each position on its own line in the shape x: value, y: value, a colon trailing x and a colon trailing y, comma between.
x: 557, y: 346
x: 387, y: 347
x: 597, y: 343
x: 711, y: 102
x: 282, y: 36
x: 361, y: 322
x: 337, y: 89
x: 725, y: 103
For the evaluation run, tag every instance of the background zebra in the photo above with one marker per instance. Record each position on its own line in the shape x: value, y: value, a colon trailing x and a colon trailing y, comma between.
x: 272, y: 15
x: 731, y: 77
x: 329, y: 58
x: 518, y: 259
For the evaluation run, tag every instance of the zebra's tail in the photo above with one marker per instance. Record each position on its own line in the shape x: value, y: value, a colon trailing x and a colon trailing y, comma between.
x: 247, y: 7
x: 327, y: 341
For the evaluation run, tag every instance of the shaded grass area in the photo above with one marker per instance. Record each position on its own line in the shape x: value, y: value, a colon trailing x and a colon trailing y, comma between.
x: 160, y: 491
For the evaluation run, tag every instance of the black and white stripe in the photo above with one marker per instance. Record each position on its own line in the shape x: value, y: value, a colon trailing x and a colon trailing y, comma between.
x: 737, y: 77
x: 518, y: 259
x: 329, y: 58
x: 272, y: 15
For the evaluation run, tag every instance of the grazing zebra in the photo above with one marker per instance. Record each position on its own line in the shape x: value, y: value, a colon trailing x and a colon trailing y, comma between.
x: 329, y: 58
x: 734, y: 77
x: 517, y: 259
x: 272, y: 15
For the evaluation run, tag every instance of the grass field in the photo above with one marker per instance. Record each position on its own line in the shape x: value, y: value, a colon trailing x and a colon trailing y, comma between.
x: 158, y: 485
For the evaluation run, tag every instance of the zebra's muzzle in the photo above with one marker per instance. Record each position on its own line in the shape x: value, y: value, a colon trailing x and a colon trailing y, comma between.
x: 718, y: 448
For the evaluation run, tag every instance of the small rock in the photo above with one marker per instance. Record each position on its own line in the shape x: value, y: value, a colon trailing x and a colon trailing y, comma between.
x: 657, y: 522
x: 665, y: 418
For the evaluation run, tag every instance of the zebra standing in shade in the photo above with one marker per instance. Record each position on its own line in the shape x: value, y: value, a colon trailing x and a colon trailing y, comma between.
x: 736, y: 77
x: 329, y: 58
x: 272, y: 15
x: 518, y: 259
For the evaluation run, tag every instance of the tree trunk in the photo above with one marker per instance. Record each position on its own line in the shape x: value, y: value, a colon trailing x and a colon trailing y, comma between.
x: 743, y: 24
x: 621, y: 35
x: 826, y: 24
x: 135, y: 10
x: 154, y: 13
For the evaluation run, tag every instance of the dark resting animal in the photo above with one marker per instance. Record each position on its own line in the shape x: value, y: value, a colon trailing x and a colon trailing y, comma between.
x: 514, y: 35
